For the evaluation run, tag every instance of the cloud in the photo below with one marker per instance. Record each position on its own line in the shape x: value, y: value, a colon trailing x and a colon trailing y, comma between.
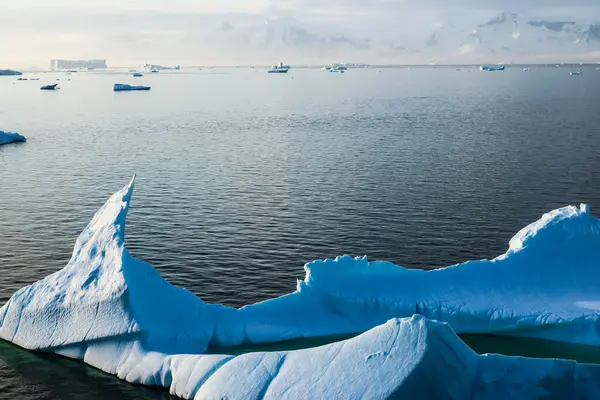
x: 59, y: 38
x: 261, y: 31
x: 170, y: 6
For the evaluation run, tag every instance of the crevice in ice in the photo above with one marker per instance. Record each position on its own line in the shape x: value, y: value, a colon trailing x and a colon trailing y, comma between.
x: 91, y: 326
x: 206, y: 376
x: 393, y: 344
x: 273, y: 375
x: 3, y: 312
x: 330, y: 359
x: 17, y: 323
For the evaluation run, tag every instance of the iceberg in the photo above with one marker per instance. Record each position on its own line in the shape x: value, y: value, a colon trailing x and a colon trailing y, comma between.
x: 9, y: 137
x: 155, y: 67
x: 279, y: 69
x: 9, y: 72
x: 77, y: 64
x: 492, y: 68
x: 118, y: 314
x: 50, y: 87
x: 121, y: 87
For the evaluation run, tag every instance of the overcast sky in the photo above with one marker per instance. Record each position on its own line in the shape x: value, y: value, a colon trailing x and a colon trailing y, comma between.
x: 127, y: 32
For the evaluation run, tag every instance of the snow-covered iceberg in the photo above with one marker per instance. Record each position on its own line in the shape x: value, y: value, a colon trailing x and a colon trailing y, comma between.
x: 118, y: 314
x: 9, y: 137
x: 155, y: 67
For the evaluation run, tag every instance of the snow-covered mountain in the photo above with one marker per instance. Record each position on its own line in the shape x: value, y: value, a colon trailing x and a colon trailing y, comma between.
x: 507, y: 37
x: 285, y: 38
x: 298, y: 37
x: 514, y: 37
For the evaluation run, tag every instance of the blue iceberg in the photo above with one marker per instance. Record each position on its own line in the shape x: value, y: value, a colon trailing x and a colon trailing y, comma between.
x: 492, y: 68
x: 9, y: 72
x: 118, y: 314
x: 8, y: 137
x: 121, y: 87
x: 50, y: 87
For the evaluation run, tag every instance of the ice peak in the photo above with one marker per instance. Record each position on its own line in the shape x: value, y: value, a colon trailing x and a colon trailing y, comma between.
x: 111, y: 217
x: 557, y: 228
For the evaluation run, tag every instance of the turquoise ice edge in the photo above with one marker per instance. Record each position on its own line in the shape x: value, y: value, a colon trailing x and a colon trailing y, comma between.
x: 9, y: 137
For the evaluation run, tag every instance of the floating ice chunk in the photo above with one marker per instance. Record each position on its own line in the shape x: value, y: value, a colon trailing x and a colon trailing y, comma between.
x: 156, y: 68
x: 121, y: 87
x: 492, y: 68
x: 8, y: 137
x: 118, y: 314
x: 50, y: 87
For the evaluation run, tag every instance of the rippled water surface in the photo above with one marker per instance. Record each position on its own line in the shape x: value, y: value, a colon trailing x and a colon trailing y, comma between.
x: 245, y: 176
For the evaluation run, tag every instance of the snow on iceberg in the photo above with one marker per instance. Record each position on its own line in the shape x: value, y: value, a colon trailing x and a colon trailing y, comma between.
x: 118, y: 314
x: 8, y: 137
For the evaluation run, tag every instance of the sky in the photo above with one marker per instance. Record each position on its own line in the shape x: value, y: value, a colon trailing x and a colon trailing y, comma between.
x: 231, y: 32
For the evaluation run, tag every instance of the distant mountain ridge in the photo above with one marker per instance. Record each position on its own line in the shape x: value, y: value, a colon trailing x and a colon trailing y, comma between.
x: 515, y: 37
x: 507, y: 37
x: 299, y: 37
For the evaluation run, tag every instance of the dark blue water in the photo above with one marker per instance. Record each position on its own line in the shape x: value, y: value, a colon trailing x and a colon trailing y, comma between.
x: 244, y: 176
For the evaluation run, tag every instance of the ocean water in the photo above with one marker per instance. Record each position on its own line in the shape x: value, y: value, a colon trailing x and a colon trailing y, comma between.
x: 244, y: 176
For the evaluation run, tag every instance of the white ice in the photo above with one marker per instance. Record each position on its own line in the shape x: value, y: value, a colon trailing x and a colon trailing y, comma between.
x: 8, y: 137
x: 118, y: 314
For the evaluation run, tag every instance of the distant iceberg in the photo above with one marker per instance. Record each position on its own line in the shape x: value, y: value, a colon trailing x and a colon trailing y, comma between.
x: 9, y: 72
x: 75, y: 65
x: 155, y: 67
x: 118, y: 314
x: 492, y: 68
x: 8, y: 137
x: 279, y: 69
x: 50, y: 87
x: 121, y: 87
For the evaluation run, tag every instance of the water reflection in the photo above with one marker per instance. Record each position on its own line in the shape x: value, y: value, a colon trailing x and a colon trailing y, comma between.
x: 36, y: 375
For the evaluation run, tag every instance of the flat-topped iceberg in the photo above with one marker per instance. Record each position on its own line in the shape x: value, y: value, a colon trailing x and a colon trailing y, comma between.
x: 118, y: 314
x: 9, y: 72
x: 492, y: 68
x: 121, y: 87
x: 155, y: 67
x: 9, y: 137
